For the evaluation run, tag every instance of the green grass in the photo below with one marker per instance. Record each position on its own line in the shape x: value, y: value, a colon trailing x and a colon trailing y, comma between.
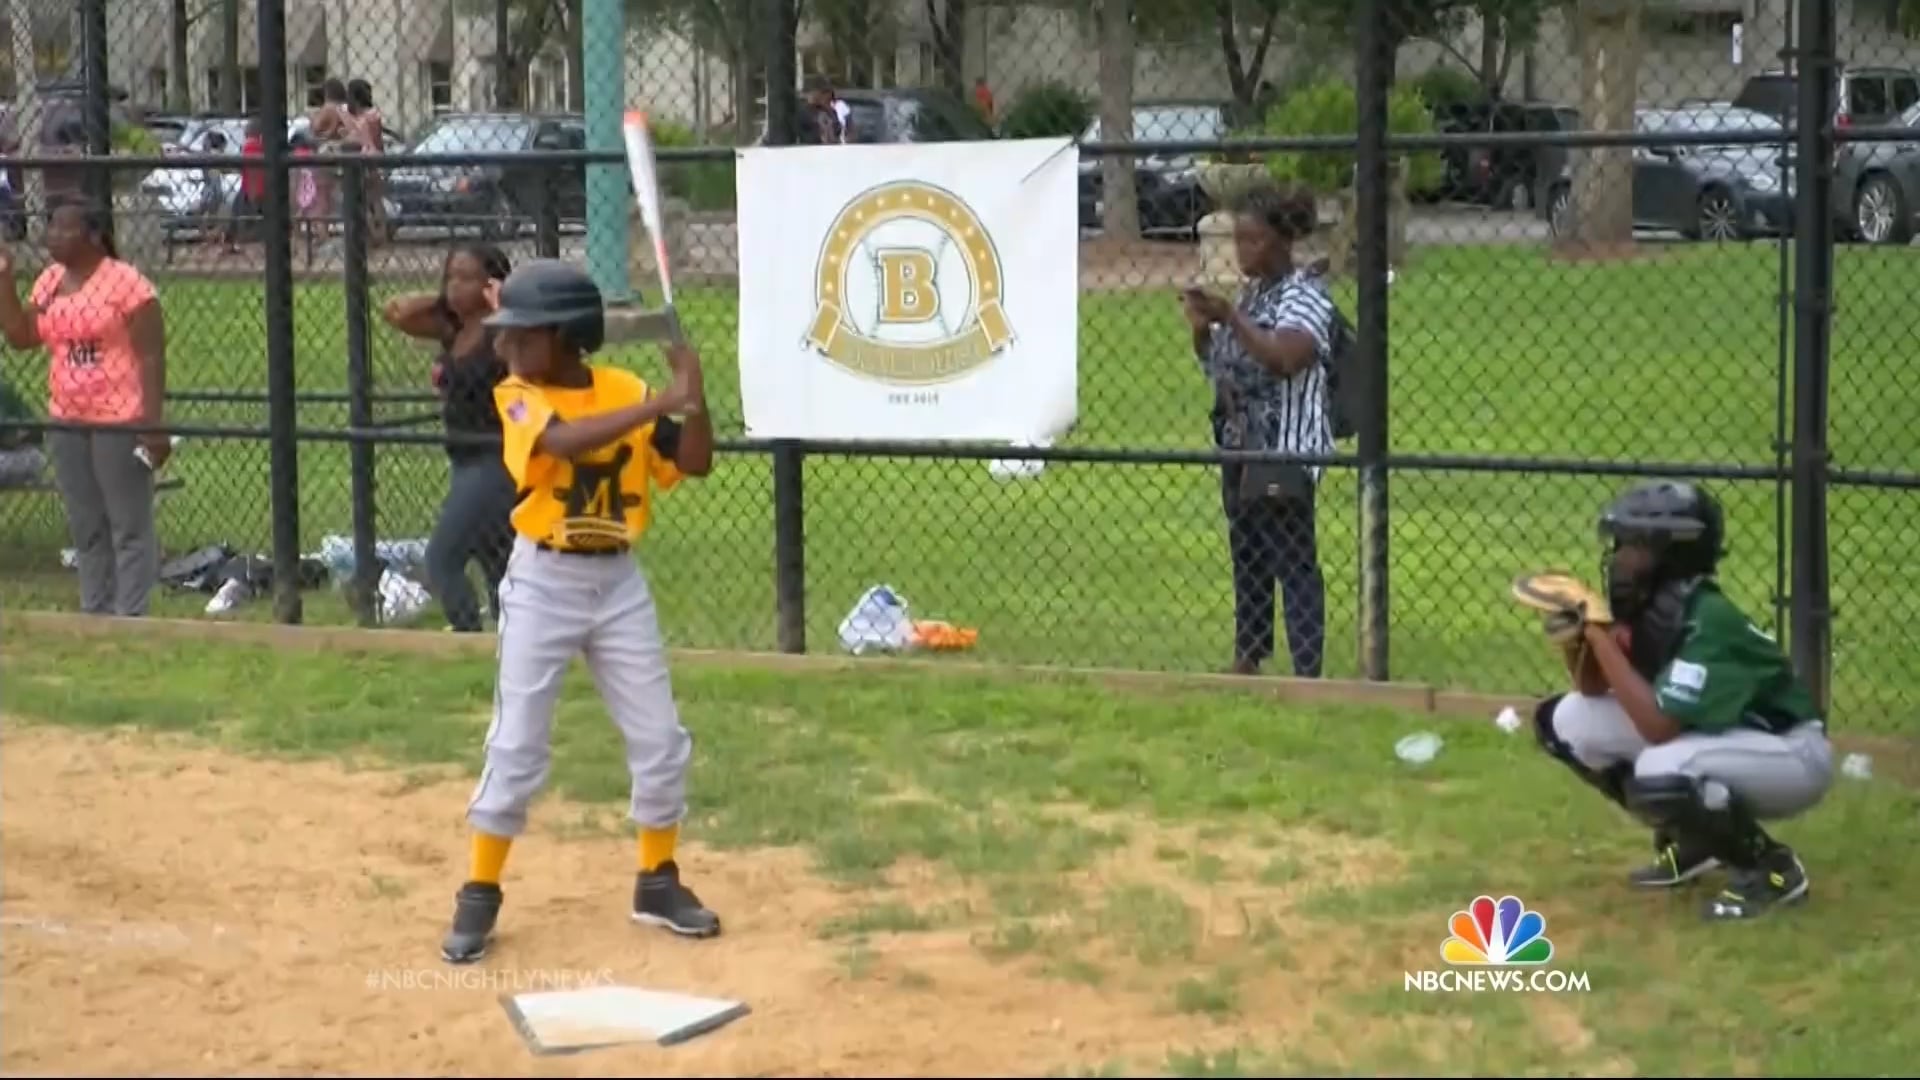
x: 1006, y: 774
x: 1496, y: 351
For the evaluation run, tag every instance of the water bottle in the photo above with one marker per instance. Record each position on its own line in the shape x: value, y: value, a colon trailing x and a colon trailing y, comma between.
x: 1417, y: 749
x: 146, y: 458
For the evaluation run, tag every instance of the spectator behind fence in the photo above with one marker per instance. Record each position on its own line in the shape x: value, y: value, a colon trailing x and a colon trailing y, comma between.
x: 824, y: 115
x: 1266, y: 357
x: 253, y: 186
x: 369, y: 135
x: 475, y: 520
x: 106, y: 338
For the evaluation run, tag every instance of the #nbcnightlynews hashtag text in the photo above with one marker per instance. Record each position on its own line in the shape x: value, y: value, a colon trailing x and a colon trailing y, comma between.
x: 494, y: 980
x: 1498, y: 980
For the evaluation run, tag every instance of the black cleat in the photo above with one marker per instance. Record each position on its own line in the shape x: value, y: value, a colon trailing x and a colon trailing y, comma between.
x: 1778, y: 881
x: 660, y: 900
x: 476, y: 908
x: 1674, y: 864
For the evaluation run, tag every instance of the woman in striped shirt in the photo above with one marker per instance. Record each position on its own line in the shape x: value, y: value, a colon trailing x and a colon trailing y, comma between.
x: 1266, y: 355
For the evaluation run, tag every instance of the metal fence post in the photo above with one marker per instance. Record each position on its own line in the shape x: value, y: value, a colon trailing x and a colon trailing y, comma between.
x: 1370, y: 326
x: 608, y: 204
x: 789, y: 501
x: 98, y: 114
x: 1813, y: 312
x: 277, y: 219
x: 363, y: 587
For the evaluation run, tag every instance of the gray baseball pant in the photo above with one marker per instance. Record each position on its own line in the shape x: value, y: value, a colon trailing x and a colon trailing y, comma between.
x: 1774, y: 776
x: 555, y: 606
x: 108, y: 494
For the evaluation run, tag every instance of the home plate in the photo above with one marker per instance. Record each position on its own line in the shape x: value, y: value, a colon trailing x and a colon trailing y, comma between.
x: 568, y: 1021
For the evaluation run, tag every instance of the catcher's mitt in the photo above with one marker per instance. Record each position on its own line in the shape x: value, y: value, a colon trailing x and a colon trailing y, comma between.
x: 1564, y: 600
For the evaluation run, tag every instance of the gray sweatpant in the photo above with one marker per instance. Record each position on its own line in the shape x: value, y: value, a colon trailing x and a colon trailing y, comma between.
x: 554, y: 607
x: 1775, y: 776
x: 109, y: 501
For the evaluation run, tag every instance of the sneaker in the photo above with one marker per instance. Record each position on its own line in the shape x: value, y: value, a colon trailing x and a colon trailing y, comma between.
x: 476, y: 908
x: 660, y: 900
x: 1673, y: 865
x: 1778, y: 881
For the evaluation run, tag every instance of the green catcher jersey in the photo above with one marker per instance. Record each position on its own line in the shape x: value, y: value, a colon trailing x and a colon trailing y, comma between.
x: 1729, y: 672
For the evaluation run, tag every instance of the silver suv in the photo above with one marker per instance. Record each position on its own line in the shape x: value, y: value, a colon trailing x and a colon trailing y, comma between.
x: 1864, y: 96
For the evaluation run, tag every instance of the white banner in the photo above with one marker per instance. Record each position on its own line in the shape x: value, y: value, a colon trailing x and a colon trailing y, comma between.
x: 924, y: 291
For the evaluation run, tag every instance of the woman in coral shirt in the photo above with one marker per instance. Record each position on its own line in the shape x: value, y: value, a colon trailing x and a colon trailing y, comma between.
x: 106, y: 338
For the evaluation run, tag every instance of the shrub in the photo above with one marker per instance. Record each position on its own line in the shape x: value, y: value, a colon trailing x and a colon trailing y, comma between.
x: 1330, y: 108
x: 1447, y: 88
x: 1047, y: 110
x: 706, y: 185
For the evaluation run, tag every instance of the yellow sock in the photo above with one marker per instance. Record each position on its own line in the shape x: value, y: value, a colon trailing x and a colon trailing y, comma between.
x: 489, y: 857
x: 656, y: 846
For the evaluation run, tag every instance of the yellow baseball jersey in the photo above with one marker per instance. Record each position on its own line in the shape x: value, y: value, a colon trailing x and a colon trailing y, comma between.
x: 599, y: 500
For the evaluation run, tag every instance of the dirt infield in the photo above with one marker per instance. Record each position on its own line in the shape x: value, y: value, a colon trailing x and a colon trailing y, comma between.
x: 173, y: 909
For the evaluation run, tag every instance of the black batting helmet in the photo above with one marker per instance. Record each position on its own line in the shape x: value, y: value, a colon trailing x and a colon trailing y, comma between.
x: 1680, y: 521
x: 551, y: 293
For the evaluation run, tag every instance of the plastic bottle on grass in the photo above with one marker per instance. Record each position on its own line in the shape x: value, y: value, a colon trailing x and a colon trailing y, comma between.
x: 1418, y: 749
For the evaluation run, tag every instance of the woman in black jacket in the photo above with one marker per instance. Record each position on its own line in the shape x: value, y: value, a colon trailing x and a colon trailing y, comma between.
x: 473, y: 521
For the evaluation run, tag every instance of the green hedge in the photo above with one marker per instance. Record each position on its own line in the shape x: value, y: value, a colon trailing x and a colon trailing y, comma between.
x: 1330, y: 107
x: 1047, y: 110
x: 706, y: 185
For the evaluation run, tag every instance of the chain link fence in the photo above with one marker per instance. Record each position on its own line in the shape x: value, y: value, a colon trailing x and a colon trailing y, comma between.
x: 1572, y: 236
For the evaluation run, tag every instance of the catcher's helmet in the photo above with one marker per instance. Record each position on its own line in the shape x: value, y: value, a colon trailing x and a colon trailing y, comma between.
x: 1680, y: 521
x: 551, y: 293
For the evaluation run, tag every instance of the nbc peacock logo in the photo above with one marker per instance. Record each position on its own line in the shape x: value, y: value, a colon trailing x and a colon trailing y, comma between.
x: 1502, y: 932
x: 1490, y: 945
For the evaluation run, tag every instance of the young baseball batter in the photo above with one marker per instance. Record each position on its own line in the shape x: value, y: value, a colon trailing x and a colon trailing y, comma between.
x: 587, y: 446
x: 1690, y: 717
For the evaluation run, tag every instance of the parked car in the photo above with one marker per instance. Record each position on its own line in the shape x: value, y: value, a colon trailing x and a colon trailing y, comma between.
x: 1876, y: 186
x: 497, y: 199
x: 910, y: 115
x: 1166, y: 187
x: 1863, y: 96
x: 1502, y: 175
x: 181, y: 195
x: 1728, y: 192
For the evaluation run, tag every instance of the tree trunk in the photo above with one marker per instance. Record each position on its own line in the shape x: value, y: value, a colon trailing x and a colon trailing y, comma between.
x: 1492, y: 77
x: 179, y: 86
x: 576, y: 58
x: 1121, y: 220
x: 229, y: 57
x: 1609, y: 86
x: 29, y: 185
x: 949, y: 45
x: 1243, y: 78
x: 743, y: 69
x: 507, y: 76
x: 854, y: 35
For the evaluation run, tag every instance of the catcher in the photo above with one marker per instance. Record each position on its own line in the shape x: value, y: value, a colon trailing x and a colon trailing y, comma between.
x: 1684, y: 711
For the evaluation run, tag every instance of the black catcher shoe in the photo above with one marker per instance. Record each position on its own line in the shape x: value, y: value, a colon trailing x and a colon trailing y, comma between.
x: 1674, y: 864
x: 660, y: 900
x: 476, y: 908
x: 1778, y: 881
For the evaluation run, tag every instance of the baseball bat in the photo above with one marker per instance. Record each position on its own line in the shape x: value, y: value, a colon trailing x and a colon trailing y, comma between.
x: 646, y: 192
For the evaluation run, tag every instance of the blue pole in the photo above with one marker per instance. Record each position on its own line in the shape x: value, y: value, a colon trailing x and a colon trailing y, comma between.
x: 603, y: 39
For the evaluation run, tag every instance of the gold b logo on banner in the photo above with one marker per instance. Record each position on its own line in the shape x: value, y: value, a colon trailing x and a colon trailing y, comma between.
x: 908, y: 287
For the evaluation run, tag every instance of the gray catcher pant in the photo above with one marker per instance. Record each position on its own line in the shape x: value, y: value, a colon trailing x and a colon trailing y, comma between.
x: 1775, y: 776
